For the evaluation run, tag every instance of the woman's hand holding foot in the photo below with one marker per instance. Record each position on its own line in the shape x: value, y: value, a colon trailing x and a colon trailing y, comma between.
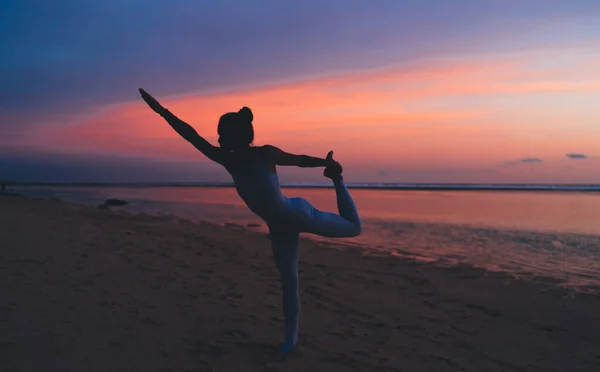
x: 333, y: 169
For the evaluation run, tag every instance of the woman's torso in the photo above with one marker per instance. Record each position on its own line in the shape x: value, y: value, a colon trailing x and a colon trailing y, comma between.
x: 257, y: 183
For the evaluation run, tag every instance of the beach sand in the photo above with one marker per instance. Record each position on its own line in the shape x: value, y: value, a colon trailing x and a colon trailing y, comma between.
x: 103, y: 290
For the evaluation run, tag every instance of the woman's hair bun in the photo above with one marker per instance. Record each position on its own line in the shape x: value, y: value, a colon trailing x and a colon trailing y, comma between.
x: 246, y: 114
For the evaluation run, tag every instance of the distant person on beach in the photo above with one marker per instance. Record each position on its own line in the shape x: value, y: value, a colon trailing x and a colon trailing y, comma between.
x: 253, y: 169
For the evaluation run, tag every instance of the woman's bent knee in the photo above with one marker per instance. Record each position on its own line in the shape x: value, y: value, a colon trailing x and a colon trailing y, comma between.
x: 356, y: 229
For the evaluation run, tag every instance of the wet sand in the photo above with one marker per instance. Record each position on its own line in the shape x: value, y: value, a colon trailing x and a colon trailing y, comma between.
x: 102, y: 290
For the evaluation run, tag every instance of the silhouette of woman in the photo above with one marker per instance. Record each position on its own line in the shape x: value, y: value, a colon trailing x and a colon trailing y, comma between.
x: 253, y: 170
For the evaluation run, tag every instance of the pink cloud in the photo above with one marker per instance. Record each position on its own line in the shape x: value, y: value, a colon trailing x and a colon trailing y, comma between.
x: 400, y: 117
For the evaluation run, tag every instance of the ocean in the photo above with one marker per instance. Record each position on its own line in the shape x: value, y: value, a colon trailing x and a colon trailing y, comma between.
x: 531, y: 232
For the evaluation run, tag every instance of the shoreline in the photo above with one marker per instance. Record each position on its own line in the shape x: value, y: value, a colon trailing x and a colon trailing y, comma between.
x: 97, y: 290
x: 400, y: 254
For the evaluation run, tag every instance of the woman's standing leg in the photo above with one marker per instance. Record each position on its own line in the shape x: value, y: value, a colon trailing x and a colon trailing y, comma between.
x: 285, y: 253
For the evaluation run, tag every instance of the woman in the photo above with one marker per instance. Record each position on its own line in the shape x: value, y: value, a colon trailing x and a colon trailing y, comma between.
x: 255, y: 176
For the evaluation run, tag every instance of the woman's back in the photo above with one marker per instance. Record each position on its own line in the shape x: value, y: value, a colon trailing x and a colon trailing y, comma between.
x: 256, y: 182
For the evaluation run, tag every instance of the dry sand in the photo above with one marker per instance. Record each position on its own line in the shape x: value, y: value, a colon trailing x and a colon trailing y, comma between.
x: 101, y: 290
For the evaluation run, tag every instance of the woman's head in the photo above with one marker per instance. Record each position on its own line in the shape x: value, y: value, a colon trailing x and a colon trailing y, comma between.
x: 235, y: 129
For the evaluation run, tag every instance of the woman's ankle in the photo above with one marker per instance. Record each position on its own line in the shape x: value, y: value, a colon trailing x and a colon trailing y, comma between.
x: 339, y: 178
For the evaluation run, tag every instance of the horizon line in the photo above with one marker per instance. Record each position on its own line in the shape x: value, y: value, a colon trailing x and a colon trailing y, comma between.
x: 355, y: 185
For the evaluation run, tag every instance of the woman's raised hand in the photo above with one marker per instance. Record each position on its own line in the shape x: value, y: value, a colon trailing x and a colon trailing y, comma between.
x: 151, y: 101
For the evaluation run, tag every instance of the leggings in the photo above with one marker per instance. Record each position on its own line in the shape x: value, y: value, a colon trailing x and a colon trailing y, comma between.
x: 284, y: 241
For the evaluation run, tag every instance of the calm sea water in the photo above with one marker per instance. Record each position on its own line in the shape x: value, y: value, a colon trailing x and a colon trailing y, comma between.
x: 461, y: 226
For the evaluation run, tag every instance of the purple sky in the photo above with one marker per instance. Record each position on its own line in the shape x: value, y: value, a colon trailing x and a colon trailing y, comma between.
x: 66, y: 59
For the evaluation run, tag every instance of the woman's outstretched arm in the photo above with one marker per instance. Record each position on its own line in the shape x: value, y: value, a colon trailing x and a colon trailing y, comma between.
x: 280, y: 157
x: 185, y: 130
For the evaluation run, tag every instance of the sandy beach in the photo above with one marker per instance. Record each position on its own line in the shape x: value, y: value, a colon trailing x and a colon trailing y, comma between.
x: 103, y: 290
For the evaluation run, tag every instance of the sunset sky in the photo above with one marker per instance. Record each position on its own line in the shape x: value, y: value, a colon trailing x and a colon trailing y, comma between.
x: 403, y: 91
